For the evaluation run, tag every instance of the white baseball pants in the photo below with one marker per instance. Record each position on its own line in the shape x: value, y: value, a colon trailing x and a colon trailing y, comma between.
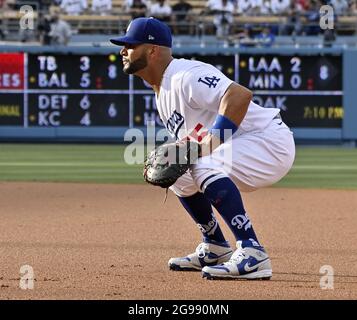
x: 252, y: 160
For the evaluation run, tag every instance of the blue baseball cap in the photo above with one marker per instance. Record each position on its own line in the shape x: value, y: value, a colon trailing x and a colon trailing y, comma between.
x: 146, y: 30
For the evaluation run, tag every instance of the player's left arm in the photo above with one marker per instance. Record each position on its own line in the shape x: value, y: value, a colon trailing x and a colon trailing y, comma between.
x: 232, y: 110
x: 234, y: 104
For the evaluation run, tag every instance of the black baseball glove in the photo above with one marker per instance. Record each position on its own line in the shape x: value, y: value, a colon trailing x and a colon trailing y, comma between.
x: 168, y: 162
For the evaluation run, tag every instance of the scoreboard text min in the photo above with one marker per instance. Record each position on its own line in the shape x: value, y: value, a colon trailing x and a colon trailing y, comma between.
x: 307, y: 89
x: 53, y: 90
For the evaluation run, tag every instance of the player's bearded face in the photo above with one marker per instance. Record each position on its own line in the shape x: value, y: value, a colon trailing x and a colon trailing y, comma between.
x: 131, y: 67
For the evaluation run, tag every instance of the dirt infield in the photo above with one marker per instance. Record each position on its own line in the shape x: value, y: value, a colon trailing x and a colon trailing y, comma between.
x: 88, y: 241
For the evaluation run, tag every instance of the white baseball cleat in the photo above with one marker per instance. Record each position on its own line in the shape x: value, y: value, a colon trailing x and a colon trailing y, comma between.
x: 206, y: 254
x: 249, y: 261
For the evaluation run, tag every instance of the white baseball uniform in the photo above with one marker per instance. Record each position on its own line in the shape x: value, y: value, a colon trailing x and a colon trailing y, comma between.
x: 259, y: 154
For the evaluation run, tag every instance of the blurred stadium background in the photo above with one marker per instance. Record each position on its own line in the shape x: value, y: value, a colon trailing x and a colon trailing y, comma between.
x: 61, y: 81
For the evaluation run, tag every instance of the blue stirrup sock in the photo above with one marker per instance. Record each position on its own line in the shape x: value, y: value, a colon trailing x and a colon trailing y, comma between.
x: 200, y: 209
x: 226, y: 198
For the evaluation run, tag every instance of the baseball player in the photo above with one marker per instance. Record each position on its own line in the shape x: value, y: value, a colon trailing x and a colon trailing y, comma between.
x: 244, y: 147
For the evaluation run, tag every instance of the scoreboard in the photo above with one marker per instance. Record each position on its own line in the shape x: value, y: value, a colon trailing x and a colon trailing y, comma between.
x: 307, y: 89
x: 59, y: 90
x: 66, y: 90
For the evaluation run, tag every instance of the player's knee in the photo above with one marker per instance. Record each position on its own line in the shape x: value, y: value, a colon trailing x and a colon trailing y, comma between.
x: 216, y: 186
x: 184, y: 186
x: 181, y: 190
x: 203, y: 176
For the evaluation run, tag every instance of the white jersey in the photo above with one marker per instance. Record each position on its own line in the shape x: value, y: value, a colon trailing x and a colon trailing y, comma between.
x: 279, y: 6
x: 157, y: 9
x: 74, y: 7
x: 101, y: 5
x: 190, y: 96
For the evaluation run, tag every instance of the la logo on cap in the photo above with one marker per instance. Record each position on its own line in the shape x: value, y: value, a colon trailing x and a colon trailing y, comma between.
x: 150, y: 37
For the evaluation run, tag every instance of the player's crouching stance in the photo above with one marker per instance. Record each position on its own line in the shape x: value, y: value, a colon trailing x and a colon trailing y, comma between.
x: 196, y: 100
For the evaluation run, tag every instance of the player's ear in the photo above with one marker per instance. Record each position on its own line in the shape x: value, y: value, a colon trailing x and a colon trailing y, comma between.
x: 154, y: 50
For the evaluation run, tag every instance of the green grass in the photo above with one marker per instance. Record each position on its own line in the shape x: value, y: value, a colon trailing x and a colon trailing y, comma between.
x: 66, y: 163
x: 323, y: 167
x: 315, y: 167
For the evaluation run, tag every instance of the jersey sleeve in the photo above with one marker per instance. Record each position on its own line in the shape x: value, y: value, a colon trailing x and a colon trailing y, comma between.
x: 204, y: 86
